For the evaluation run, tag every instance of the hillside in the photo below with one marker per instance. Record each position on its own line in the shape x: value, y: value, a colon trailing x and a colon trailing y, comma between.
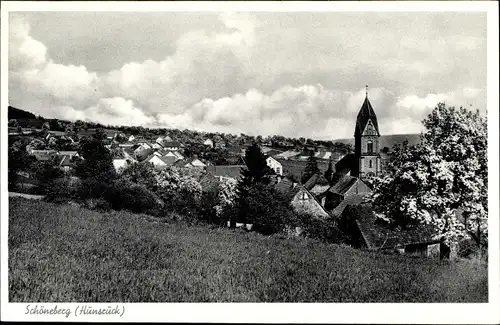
x: 16, y: 113
x: 389, y: 140
x: 66, y: 253
x: 27, y: 119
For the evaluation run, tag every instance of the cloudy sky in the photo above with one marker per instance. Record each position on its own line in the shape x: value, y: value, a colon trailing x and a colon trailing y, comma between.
x: 293, y: 74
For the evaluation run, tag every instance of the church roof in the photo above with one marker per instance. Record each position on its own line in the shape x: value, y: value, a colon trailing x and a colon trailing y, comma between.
x: 365, y: 114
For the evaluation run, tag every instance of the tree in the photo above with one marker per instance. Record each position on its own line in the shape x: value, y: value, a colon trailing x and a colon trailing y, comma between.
x: 13, y: 123
x: 178, y: 189
x: 257, y: 169
x: 96, y: 169
x: 329, y: 172
x: 311, y: 167
x: 54, y: 125
x: 428, y: 183
x: 140, y: 174
x: 18, y: 160
x: 256, y: 172
x: 46, y: 172
x: 36, y: 144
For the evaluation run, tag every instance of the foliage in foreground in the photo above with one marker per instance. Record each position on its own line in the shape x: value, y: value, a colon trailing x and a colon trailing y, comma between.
x: 447, y: 172
x: 66, y: 253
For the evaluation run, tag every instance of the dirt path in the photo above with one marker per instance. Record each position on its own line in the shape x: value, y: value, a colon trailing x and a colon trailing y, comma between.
x: 27, y: 196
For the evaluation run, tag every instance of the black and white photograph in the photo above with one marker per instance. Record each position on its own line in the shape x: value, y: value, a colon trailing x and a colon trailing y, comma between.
x: 234, y: 153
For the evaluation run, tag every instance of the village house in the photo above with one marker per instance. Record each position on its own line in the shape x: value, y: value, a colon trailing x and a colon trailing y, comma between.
x: 275, y: 165
x: 229, y: 171
x: 119, y: 164
x: 317, y: 184
x: 375, y: 234
x: 171, y: 145
x: 209, y: 143
x: 192, y: 162
x: 68, y: 153
x: 300, y: 198
x: 160, y: 162
x: 65, y: 164
x: 43, y: 155
x: 345, y: 187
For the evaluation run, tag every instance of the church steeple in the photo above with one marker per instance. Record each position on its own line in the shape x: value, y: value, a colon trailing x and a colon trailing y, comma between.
x: 366, y: 135
x: 366, y: 113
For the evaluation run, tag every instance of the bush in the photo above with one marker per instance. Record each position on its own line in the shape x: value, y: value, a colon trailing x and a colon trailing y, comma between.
x: 92, y: 188
x: 137, y: 198
x: 323, y: 229
x: 62, y: 190
x: 97, y: 204
x: 265, y: 208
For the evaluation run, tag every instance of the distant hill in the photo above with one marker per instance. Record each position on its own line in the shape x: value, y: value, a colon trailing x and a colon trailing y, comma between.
x: 389, y: 140
x: 16, y: 113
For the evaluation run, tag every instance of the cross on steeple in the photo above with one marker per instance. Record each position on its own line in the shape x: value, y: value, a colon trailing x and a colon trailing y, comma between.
x: 366, y: 90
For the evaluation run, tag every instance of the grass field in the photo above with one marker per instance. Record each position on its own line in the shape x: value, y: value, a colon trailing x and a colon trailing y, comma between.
x: 63, y: 253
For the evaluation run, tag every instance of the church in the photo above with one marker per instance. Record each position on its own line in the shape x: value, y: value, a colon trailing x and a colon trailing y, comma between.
x: 366, y: 159
x: 367, y: 144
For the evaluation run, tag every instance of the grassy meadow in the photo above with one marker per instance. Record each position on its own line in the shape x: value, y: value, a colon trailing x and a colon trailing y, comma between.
x: 64, y: 253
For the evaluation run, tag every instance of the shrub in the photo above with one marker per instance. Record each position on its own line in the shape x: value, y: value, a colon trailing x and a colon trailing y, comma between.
x: 62, y: 190
x: 265, y: 208
x: 323, y: 229
x: 97, y: 204
x: 137, y: 198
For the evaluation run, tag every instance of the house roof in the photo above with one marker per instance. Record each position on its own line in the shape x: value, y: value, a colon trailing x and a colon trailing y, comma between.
x: 65, y: 161
x: 365, y: 114
x: 355, y: 199
x: 345, y: 163
x: 68, y: 153
x: 379, y: 236
x: 288, y: 154
x: 172, y: 144
x: 286, y: 187
x: 233, y: 171
x: 315, y: 179
x: 343, y: 185
x: 169, y: 160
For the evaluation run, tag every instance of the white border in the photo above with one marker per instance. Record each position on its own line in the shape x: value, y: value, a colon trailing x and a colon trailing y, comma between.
x: 280, y: 312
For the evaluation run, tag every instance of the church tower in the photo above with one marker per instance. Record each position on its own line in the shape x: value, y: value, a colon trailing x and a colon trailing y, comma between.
x: 367, y: 148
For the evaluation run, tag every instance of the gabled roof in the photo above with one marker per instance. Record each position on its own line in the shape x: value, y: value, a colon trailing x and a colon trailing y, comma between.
x: 171, y: 144
x: 343, y: 185
x: 288, y: 154
x: 355, y: 199
x: 346, y: 163
x: 65, y: 161
x: 286, y: 187
x: 315, y: 179
x: 169, y: 160
x: 365, y: 114
x: 233, y: 171
x: 379, y: 236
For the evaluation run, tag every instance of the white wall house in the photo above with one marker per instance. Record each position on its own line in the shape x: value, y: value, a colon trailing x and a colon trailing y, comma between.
x: 209, y: 143
x: 275, y: 165
x: 119, y: 164
x: 156, y: 161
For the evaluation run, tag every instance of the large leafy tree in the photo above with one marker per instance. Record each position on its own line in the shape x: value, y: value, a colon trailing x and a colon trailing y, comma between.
x: 447, y: 173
